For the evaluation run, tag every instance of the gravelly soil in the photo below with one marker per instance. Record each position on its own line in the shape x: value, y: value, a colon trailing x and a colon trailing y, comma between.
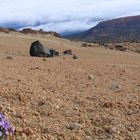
x: 94, y: 97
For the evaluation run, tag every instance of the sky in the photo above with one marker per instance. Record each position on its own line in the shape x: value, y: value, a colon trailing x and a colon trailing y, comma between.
x: 63, y: 15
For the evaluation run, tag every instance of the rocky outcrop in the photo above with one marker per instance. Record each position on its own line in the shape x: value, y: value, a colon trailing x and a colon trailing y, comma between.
x: 31, y: 31
x: 7, y: 30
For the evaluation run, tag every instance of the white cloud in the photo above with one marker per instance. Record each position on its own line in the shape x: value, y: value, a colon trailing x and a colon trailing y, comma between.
x: 66, y: 26
x: 64, y: 15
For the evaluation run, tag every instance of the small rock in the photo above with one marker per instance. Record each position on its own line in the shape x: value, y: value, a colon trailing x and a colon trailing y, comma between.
x: 9, y: 109
x: 1, y: 107
x: 23, y: 137
x: 88, y: 132
x: 36, y: 114
x: 50, y: 137
x: 89, y: 45
x: 108, y: 105
x: 27, y: 131
x: 90, y: 77
x: 43, y: 113
x: 68, y: 52
x: 57, y: 107
x: 9, y: 57
x: 37, y: 68
x: 76, y: 138
x: 18, y: 129
x: 111, y: 130
x: 20, y: 137
x: 74, y: 126
x: 115, y: 86
x: 89, y: 138
x: 75, y: 57
x: 84, y: 45
x: 19, y: 115
x: 41, y: 103
x: 44, y: 59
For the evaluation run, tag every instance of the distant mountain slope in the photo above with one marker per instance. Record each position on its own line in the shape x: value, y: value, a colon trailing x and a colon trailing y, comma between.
x: 115, y: 30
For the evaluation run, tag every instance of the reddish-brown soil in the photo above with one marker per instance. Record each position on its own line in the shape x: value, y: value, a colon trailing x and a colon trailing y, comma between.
x: 96, y: 97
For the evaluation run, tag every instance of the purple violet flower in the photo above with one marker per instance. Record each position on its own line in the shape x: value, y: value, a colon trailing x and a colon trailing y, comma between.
x: 5, y: 128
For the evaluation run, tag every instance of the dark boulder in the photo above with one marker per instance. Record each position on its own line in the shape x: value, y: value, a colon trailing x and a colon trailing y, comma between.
x: 53, y: 53
x: 68, y: 52
x: 37, y: 49
x: 89, y: 45
x: 120, y: 48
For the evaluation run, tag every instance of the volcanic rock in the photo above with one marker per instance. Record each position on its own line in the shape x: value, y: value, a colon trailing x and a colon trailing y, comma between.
x: 68, y: 52
x: 37, y: 49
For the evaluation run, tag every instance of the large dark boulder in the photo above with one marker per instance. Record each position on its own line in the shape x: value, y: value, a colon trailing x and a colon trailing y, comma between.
x: 37, y: 49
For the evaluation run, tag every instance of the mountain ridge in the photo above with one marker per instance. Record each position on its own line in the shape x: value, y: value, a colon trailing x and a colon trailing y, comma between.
x: 114, y: 30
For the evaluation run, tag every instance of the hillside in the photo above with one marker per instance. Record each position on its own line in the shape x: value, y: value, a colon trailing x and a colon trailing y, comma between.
x: 115, y: 30
x: 92, y: 98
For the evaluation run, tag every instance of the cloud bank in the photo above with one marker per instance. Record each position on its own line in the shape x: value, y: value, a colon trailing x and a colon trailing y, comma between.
x: 61, y: 15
